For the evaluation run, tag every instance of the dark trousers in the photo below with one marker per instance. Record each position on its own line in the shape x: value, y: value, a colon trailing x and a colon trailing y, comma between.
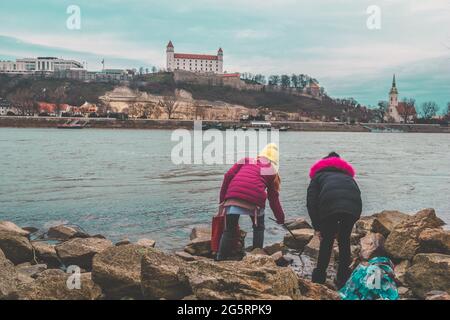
x: 340, y: 225
x: 230, y: 233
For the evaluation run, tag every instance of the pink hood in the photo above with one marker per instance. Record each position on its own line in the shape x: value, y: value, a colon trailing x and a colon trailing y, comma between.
x: 337, y: 163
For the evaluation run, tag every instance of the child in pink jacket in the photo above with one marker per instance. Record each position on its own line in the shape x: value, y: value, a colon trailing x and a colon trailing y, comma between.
x: 245, y: 189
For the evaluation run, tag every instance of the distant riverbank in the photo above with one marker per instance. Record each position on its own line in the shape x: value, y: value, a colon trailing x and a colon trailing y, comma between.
x: 108, y: 123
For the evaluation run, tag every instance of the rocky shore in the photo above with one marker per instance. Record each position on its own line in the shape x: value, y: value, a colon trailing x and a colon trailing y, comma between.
x: 36, y: 265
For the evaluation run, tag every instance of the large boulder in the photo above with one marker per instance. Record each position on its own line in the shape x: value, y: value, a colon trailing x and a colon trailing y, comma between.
x: 386, y: 221
x: 200, y: 232
x: 255, y: 277
x: 55, y: 286
x: 31, y: 270
x: 297, y: 223
x: 8, y: 277
x: 80, y: 251
x: 64, y: 232
x: 403, y: 242
x: 313, y: 247
x: 274, y: 248
x: 400, y: 270
x: 46, y: 253
x: 383, y: 222
x: 159, y: 276
x: 146, y: 243
x: 199, y: 247
x: 372, y: 245
x: 429, y: 272
x: 435, y: 240
x: 7, y: 226
x: 118, y: 271
x: 314, y: 291
x: 298, y: 239
x: 16, y: 247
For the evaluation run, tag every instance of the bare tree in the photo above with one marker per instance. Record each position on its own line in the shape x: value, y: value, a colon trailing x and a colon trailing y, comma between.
x: 428, y: 109
x: 380, y: 112
x: 24, y: 101
x: 408, y: 110
x: 169, y: 105
x: 58, y: 97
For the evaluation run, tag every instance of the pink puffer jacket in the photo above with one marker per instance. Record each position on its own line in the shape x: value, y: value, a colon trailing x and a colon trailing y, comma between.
x: 244, y: 181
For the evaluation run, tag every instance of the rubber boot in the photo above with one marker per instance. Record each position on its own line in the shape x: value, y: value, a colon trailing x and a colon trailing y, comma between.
x: 258, y: 238
x: 342, y: 276
x: 319, y: 276
x: 225, y: 246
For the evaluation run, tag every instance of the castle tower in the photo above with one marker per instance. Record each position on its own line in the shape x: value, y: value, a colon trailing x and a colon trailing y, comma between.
x: 220, y: 60
x: 170, y: 55
x: 393, y: 95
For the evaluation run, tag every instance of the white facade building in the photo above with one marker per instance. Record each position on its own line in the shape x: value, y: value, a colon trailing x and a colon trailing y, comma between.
x: 193, y: 62
x: 40, y: 64
x: 398, y: 111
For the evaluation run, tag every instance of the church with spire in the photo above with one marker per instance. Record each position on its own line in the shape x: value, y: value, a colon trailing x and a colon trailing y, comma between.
x: 398, y: 111
x: 203, y: 63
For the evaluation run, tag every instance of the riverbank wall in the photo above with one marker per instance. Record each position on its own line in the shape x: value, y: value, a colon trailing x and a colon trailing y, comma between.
x: 108, y: 123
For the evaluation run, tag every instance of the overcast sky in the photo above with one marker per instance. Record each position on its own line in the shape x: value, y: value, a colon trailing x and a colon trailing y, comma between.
x: 328, y: 40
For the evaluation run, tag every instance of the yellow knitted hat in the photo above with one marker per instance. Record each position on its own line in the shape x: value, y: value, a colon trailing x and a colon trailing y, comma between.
x: 271, y: 153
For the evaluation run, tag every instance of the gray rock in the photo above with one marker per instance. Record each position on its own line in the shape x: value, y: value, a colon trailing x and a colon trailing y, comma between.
x: 435, y: 241
x: 16, y: 247
x: 429, y: 271
x: 400, y: 270
x: 298, y: 223
x: 372, y: 245
x: 46, y: 253
x: 7, y: 226
x: 159, y: 276
x: 404, y: 242
x: 55, y: 287
x: 63, y: 232
x: 8, y: 277
x: 300, y: 239
x: 200, y: 232
x: 80, y: 251
x: 437, y: 295
x: 118, y: 271
x: 31, y: 270
x: 255, y: 277
x: 123, y: 242
x: 146, y: 243
x: 199, y: 247
x: 276, y: 247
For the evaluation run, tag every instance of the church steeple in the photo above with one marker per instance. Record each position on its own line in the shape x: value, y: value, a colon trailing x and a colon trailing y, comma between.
x: 394, y: 87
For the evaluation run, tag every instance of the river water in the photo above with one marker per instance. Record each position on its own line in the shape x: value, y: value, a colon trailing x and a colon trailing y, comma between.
x: 122, y: 183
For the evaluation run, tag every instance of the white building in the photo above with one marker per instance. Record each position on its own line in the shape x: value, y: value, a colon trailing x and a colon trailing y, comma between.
x: 6, y: 108
x: 194, y: 62
x: 37, y: 65
x: 398, y: 111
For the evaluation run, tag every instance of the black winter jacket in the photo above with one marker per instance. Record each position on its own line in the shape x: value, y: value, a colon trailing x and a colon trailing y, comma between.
x: 332, y: 190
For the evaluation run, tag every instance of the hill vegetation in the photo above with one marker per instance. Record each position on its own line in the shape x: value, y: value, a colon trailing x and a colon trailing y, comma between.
x: 74, y: 92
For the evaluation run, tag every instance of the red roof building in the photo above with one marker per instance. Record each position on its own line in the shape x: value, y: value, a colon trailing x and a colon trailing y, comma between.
x: 202, y: 63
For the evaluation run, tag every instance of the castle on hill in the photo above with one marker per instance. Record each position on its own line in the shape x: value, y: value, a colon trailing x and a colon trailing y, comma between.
x: 203, y: 63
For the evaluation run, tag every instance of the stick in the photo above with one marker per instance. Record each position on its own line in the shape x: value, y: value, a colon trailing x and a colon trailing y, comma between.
x: 285, y: 227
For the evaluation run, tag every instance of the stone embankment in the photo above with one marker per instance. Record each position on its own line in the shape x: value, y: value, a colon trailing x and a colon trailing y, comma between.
x: 67, y: 263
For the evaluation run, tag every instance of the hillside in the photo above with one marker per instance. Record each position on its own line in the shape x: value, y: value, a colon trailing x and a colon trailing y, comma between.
x: 76, y: 93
